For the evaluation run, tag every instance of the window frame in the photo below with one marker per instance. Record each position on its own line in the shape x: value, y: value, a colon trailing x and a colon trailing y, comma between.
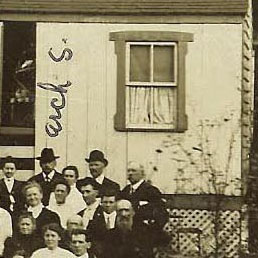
x: 121, y: 38
x: 7, y: 130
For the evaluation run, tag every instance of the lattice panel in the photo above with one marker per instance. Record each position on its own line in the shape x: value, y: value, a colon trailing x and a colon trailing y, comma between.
x: 228, y: 233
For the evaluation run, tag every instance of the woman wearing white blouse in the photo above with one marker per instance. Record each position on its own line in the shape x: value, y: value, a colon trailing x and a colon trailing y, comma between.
x: 52, y: 234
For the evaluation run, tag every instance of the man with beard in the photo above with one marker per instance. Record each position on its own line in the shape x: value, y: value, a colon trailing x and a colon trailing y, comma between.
x: 147, y: 202
x: 126, y: 240
x: 97, y: 164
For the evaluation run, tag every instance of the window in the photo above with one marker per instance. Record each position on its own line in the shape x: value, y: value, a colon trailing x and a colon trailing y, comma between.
x: 150, y: 80
x: 17, y: 87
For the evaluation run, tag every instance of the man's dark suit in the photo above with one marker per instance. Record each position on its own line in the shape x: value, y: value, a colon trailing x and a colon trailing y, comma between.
x: 97, y: 230
x: 47, y: 187
x: 5, y: 201
x: 149, y: 209
x: 132, y: 244
x: 106, y: 184
x: 97, y: 226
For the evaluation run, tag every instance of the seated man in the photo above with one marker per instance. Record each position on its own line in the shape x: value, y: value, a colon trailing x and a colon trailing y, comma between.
x: 74, y: 222
x: 80, y: 244
x: 74, y: 199
x: 89, y: 190
x: 126, y: 240
x: 59, y: 205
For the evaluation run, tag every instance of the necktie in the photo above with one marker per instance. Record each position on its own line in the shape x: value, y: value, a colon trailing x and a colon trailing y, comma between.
x: 108, y: 223
x: 131, y: 190
x: 47, y: 179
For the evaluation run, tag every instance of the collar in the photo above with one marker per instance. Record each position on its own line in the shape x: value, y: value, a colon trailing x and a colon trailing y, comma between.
x: 94, y: 205
x: 8, y: 179
x: 35, y: 210
x: 111, y: 215
x: 50, y: 175
x: 137, y: 185
x: 99, y: 179
x: 86, y: 255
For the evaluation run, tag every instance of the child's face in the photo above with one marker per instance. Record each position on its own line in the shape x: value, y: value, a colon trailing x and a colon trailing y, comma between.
x: 51, y: 239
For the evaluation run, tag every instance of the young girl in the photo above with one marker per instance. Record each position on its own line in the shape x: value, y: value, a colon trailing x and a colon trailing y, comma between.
x: 52, y: 234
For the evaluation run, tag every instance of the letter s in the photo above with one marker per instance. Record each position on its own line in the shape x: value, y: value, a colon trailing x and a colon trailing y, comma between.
x: 59, y: 59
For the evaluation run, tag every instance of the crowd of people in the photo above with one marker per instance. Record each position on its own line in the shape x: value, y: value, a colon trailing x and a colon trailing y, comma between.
x: 59, y: 215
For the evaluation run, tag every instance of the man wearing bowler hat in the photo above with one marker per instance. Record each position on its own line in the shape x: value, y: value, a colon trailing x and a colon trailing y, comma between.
x: 48, y: 177
x: 97, y: 163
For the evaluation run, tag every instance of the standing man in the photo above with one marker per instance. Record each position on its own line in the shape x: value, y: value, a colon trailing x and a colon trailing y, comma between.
x: 10, y: 188
x: 103, y: 220
x: 49, y: 175
x: 97, y: 163
x: 146, y: 200
x: 89, y: 191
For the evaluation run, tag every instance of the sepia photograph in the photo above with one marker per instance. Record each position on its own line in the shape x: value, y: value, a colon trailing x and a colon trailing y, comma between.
x: 128, y: 129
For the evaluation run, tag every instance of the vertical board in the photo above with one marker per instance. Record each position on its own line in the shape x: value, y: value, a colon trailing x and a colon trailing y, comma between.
x: 213, y: 100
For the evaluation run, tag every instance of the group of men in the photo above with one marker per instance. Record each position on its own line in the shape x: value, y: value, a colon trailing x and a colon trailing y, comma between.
x: 116, y: 223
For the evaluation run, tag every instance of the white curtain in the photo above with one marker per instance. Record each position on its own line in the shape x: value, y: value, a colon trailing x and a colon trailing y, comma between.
x: 151, y: 105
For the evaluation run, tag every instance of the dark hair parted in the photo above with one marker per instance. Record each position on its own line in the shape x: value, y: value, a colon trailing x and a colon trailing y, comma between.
x: 8, y: 159
x: 53, y: 227
x: 90, y: 181
x: 73, y: 168
x: 62, y: 182
x: 109, y: 192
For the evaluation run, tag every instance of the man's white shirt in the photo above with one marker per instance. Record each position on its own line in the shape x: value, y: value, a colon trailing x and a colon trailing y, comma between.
x: 89, y: 212
x: 111, y: 217
x: 9, y: 182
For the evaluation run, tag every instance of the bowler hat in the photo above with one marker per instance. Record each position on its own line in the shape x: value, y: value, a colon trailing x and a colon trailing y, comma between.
x: 97, y: 155
x: 47, y: 155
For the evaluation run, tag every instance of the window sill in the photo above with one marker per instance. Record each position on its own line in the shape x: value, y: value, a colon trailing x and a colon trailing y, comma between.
x: 123, y: 129
x: 6, y: 130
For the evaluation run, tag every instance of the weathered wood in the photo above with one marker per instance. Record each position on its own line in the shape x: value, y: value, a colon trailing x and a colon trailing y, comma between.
x: 204, y: 202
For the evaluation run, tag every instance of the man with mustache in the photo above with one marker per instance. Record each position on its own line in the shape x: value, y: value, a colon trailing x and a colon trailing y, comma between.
x: 49, y: 175
x: 97, y: 164
x: 126, y: 240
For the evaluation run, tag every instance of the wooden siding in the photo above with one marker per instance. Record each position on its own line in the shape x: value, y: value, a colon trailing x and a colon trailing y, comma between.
x: 121, y: 7
x: 91, y: 101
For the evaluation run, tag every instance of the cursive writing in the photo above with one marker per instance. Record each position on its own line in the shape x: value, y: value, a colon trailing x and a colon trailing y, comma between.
x: 52, y: 130
x: 59, y: 59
